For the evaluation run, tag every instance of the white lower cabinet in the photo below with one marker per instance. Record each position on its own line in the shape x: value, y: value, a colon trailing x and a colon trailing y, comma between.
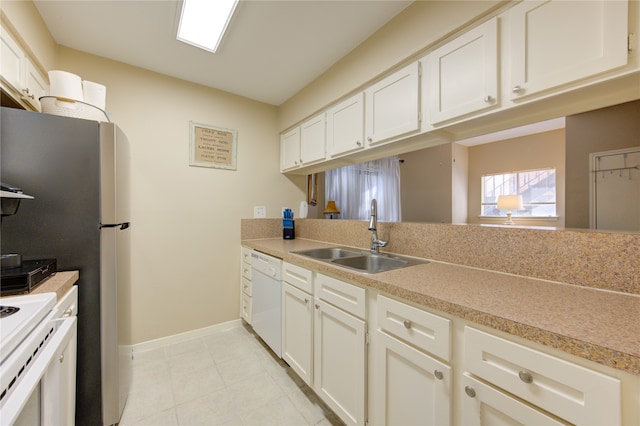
x: 412, y: 388
x: 245, y: 284
x: 340, y: 350
x: 485, y: 405
x: 566, y: 390
x: 340, y: 362
x: 297, y: 331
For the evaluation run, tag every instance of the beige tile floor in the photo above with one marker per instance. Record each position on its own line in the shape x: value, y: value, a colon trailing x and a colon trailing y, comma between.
x: 226, y: 378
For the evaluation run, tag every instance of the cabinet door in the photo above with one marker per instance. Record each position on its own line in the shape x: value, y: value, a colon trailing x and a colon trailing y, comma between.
x: 345, y: 126
x: 297, y: 331
x: 340, y: 362
x: 462, y: 75
x: 484, y: 405
x: 558, y: 42
x: 313, y: 140
x: 411, y: 387
x: 11, y: 65
x: 290, y: 149
x: 392, y: 106
x: 36, y: 85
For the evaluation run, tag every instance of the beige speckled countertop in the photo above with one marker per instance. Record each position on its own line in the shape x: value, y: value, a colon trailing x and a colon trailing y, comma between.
x: 594, y: 324
x: 59, y: 283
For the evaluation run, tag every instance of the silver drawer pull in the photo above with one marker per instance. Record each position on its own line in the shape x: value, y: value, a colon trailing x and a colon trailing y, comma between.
x: 407, y: 324
x: 525, y: 376
x: 61, y: 358
x: 67, y: 313
x: 317, y: 306
x: 438, y: 374
x: 306, y: 301
x: 471, y: 392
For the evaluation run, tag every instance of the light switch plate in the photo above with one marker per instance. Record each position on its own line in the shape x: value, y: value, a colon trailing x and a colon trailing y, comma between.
x: 259, y: 211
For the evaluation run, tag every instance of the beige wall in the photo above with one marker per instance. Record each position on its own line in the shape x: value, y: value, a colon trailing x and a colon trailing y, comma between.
x: 525, y: 153
x: 185, y: 234
x: 411, y: 32
x: 606, y: 129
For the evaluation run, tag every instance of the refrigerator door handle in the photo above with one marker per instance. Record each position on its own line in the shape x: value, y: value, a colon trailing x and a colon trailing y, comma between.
x: 122, y: 226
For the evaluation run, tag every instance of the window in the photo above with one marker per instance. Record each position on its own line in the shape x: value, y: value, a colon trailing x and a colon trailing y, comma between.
x: 537, y: 187
x: 353, y: 187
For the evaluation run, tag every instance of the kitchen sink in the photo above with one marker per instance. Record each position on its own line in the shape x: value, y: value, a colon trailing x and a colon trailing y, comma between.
x: 329, y: 253
x: 371, y: 263
x: 360, y: 261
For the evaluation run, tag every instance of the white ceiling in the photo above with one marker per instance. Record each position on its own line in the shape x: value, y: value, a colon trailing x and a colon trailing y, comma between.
x: 271, y: 50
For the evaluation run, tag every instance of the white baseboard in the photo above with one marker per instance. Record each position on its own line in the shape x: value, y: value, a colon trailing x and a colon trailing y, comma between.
x: 164, y: 341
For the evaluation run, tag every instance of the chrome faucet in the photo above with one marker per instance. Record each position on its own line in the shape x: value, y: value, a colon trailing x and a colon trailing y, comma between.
x: 373, y: 226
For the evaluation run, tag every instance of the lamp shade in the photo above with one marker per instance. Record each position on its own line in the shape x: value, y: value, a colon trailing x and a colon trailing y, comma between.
x: 331, y: 208
x: 510, y: 202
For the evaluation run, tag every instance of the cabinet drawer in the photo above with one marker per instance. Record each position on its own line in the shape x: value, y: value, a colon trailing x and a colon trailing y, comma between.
x: 485, y: 405
x: 569, y: 391
x: 246, y: 270
x: 246, y: 308
x: 422, y: 329
x: 298, y: 277
x: 68, y: 304
x: 246, y: 255
x: 246, y: 286
x: 343, y: 295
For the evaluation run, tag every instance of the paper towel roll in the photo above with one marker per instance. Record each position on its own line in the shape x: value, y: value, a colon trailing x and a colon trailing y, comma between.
x: 94, y: 94
x: 63, y: 84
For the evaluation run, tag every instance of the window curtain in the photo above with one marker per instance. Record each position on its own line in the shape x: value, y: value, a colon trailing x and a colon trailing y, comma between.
x: 353, y: 188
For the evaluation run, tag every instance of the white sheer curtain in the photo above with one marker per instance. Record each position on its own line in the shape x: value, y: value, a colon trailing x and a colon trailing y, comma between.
x: 353, y: 188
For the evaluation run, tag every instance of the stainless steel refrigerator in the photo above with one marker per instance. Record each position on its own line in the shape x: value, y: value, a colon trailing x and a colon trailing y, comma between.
x: 77, y: 171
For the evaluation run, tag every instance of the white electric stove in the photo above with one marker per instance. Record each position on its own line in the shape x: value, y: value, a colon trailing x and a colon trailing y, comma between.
x: 34, y: 340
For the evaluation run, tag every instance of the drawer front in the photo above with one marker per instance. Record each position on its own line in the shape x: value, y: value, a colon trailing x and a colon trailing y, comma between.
x: 298, y: 277
x: 68, y: 304
x: 246, y: 308
x: 485, y: 405
x: 246, y: 270
x: 569, y: 391
x: 246, y: 255
x: 345, y: 296
x: 422, y: 329
x: 246, y: 286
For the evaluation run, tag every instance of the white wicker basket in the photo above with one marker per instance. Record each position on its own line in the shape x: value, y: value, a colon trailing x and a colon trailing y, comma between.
x: 69, y: 108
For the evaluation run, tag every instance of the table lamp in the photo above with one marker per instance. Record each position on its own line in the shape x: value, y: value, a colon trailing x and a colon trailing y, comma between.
x: 508, y: 203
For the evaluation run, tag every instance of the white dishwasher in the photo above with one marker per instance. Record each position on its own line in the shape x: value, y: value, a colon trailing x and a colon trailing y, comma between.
x: 266, y: 294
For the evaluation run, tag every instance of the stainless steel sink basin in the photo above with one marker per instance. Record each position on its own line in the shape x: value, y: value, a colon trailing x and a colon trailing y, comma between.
x: 329, y: 253
x: 361, y: 261
x: 371, y: 263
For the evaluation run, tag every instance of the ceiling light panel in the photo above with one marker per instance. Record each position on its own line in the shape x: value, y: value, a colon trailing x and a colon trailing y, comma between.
x: 203, y: 22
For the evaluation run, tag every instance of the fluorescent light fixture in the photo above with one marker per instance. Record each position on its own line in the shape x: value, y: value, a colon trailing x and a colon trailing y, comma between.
x: 203, y: 22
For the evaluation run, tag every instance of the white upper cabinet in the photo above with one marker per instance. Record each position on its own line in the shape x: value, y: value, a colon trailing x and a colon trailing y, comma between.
x: 345, y: 126
x: 290, y: 149
x: 392, y: 105
x: 313, y: 140
x: 557, y: 42
x: 462, y: 76
x: 19, y: 75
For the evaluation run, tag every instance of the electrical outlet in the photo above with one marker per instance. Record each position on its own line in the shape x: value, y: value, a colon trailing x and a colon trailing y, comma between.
x: 259, y: 211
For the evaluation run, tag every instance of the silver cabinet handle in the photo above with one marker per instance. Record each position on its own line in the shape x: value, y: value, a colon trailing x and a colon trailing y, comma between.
x: 358, y: 143
x: 61, y: 358
x: 317, y: 306
x: 525, y: 376
x: 488, y: 99
x: 67, y: 313
x: 516, y: 89
x: 28, y: 93
x: 306, y: 301
x: 370, y: 139
x: 407, y: 324
x: 471, y: 392
x: 438, y: 374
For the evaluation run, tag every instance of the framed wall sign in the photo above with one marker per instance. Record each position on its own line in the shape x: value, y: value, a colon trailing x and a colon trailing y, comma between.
x: 212, y: 146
